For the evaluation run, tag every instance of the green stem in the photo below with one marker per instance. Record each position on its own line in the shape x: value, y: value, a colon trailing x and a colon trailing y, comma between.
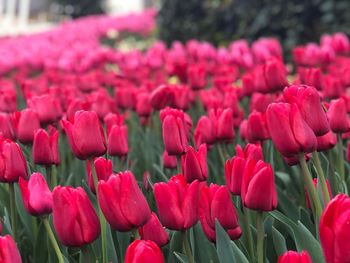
x: 135, y: 233
x: 53, y: 240
x: 340, y: 157
x: 100, y: 214
x: 248, y: 232
x: 316, y: 204
x: 260, y: 237
x: 321, y: 177
x: 332, y: 178
x: 186, y: 245
x: 221, y: 153
x: 178, y: 163
x: 13, y: 209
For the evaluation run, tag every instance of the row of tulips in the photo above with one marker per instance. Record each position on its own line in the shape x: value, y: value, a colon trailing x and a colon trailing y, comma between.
x: 180, y: 154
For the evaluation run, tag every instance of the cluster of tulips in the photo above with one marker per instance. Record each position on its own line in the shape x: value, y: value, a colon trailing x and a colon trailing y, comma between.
x: 184, y: 154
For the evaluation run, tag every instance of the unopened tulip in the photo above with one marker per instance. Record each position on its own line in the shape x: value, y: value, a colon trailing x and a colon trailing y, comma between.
x: 27, y: 122
x: 294, y: 257
x: 117, y: 133
x: 204, y: 132
x: 310, y: 107
x: 162, y: 97
x: 216, y: 204
x: 234, y: 170
x: 13, y: 165
x: 338, y: 117
x: 36, y: 195
x: 45, y: 147
x: 169, y: 161
x: 334, y: 230
x: 153, y: 230
x: 104, y: 169
x: 8, y: 250
x: 74, y: 218
x: 122, y: 202
x: 177, y: 202
x: 194, y: 164
x: 253, y: 195
x: 143, y: 251
x: 251, y: 151
x: 326, y: 142
x: 143, y: 105
x: 275, y: 75
x: 289, y: 131
x: 223, y: 123
x: 257, y: 130
x: 85, y: 135
x: 6, y: 126
x: 48, y: 108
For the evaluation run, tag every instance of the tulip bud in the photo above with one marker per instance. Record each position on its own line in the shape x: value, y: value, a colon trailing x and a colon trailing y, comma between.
x: 6, y: 126
x: 9, y: 251
x: 12, y: 162
x: 223, y: 123
x: 153, y: 230
x: 177, y: 202
x: 117, y: 133
x: 74, y: 218
x: 48, y: 108
x: 275, y: 75
x: 122, y: 202
x: 104, y: 169
x: 295, y: 257
x: 204, y: 132
x: 143, y: 251
x: 162, y: 97
x: 216, y: 204
x: 45, y: 147
x: 169, y: 161
x: 234, y: 170
x: 256, y: 127
x: 338, y: 117
x: 36, y: 195
x: 253, y: 195
x: 143, y: 105
x: 326, y: 142
x: 289, y: 131
x: 334, y: 230
x: 27, y: 122
x: 85, y: 135
x: 251, y: 151
x: 194, y: 164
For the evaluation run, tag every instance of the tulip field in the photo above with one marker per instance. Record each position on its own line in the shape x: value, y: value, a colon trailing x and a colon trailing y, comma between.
x: 183, y: 153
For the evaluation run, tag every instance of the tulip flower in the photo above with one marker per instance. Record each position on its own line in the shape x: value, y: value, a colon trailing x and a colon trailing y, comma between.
x: 234, y: 170
x: 122, y: 202
x: 104, y: 169
x: 85, y: 135
x: 275, y: 75
x: 175, y: 135
x: 27, y: 122
x: 251, y: 151
x: 204, y: 132
x: 36, y: 195
x: 74, y: 218
x: 216, y: 204
x: 8, y: 250
x: 223, y: 123
x: 334, y: 230
x: 340, y: 43
x: 332, y: 87
x: 311, y: 77
x: 310, y: 107
x: 162, y: 97
x: 326, y: 142
x: 143, y: 251
x: 6, y: 126
x: 289, y: 131
x: 117, y: 133
x: 338, y: 117
x: 169, y: 161
x: 177, y: 202
x: 48, y: 108
x: 256, y: 127
x: 256, y: 174
x: 153, y: 230
x: 194, y: 164
x: 143, y: 105
x: 13, y: 164
x: 45, y: 147
x: 294, y: 257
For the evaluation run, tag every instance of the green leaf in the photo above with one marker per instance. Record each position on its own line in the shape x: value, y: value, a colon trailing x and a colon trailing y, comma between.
x: 304, y: 240
x: 175, y: 245
x: 279, y: 242
x: 181, y: 257
x: 239, y: 255
x: 40, y: 250
x: 204, y: 250
x: 223, y: 245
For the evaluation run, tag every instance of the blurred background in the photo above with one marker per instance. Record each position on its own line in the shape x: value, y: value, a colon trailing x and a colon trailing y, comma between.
x: 218, y: 21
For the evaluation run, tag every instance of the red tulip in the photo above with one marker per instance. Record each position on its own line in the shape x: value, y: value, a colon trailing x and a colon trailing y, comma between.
x: 143, y: 105
x: 311, y: 77
x: 223, y: 123
x: 104, y: 169
x: 177, y: 202
x: 259, y: 102
x: 340, y: 43
x: 153, y: 230
x: 334, y: 230
x: 122, y: 202
x: 117, y: 133
x: 194, y: 164
x: 169, y: 161
x: 12, y: 162
x: 27, y: 122
x: 310, y: 107
x: 6, y: 126
x: 294, y: 257
x: 143, y: 251
x: 48, y: 108
x: 162, y: 97
x: 8, y: 250
x: 253, y: 195
x: 196, y: 75
x: 251, y: 151
x: 289, y: 131
x: 257, y: 127
x: 45, y: 147
x: 216, y: 204
x: 338, y: 117
x: 36, y: 195
x: 204, y: 132
x: 326, y: 142
x: 85, y: 135
x: 8, y: 99
x: 234, y: 170
x: 74, y: 218
x: 332, y: 87
x: 275, y: 75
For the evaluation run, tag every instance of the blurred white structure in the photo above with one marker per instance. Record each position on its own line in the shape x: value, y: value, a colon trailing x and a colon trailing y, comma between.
x: 124, y: 6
